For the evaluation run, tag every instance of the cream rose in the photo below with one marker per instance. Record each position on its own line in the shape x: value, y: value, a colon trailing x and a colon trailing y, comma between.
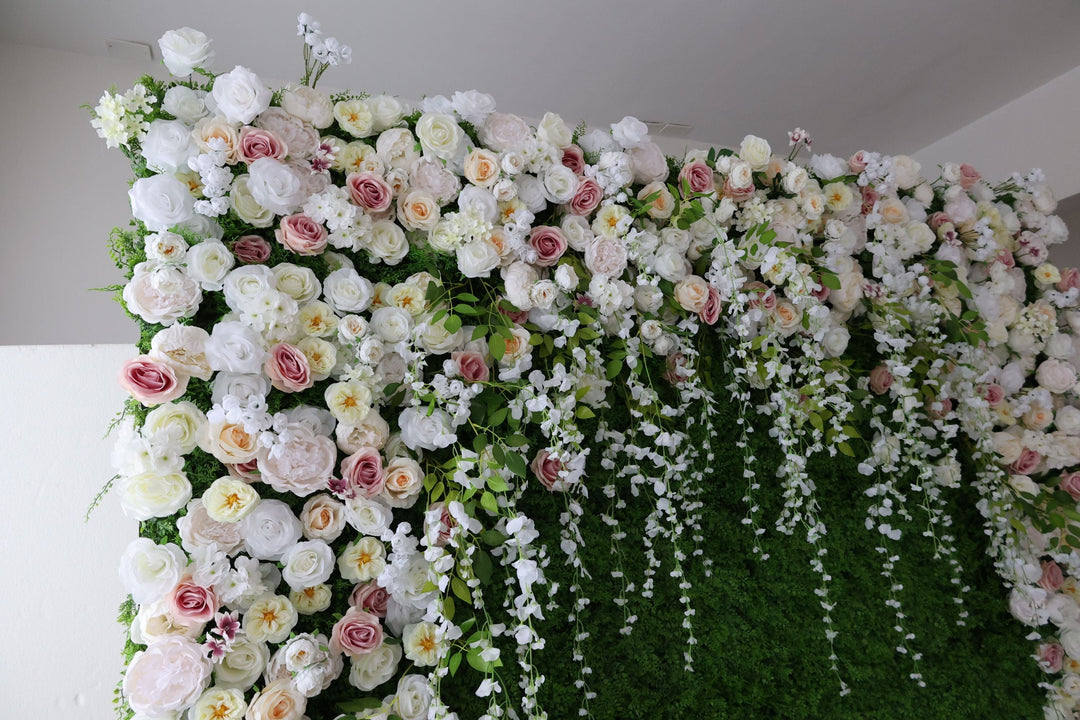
x: 309, y: 105
x: 246, y: 206
x: 279, y: 700
x: 228, y: 500
x: 242, y: 664
x: 150, y: 494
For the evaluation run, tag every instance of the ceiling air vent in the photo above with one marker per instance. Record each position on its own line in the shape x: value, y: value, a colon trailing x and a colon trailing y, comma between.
x: 667, y: 129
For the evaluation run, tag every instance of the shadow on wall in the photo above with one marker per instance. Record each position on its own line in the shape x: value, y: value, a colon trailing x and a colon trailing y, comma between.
x: 1068, y: 254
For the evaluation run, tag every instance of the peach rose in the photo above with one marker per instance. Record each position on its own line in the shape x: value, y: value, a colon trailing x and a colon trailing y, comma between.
x: 323, y: 518
x: 279, y: 700
x: 893, y: 211
x: 228, y: 442
x: 482, y: 167
x: 151, y: 382
x: 217, y: 128
x: 692, y: 292
x: 418, y: 210
x: 404, y: 480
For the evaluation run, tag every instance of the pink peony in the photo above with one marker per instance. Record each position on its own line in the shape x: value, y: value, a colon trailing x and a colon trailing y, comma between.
x: 151, y: 382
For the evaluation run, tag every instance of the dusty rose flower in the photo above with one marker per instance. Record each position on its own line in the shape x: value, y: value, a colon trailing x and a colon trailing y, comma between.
x: 587, y: 198
x: 471, y: 365
x: 993, y: 393
x: 356, y: 633
x: 698, y: 175
x: 369, y: 191
x: 1051, y: 657
x: 438, y: 522
x: 760, y: 295
x: 251, y: 249
x: 363, y: 470
x: 573, y: 158
x: 937, y: 219
x: 1052, y: 577
x: 370, y: 597
x: 247, y: 471
x: 1070, y: 483
x: 968, y: 176
x: 258, y: 143
x: 190, y: 602
x: 857, y: 162
x: 869, y: 199
x: 1070, y: 278
x: 678, y: 368
x: 711, y: 312
x: 301, y: 234
x: 151, y: 382
x: 737, y: 193
x: 288, y: 369
x: 550, y: 244
x: 937, y: 414
x: 546, y: 467
x: 880, y: 380
x: 1026, y: 463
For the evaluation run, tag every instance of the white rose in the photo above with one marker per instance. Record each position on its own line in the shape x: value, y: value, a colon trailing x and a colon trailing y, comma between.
x: 651, y: 330
x: 519, y: 278
x: 422, y: 430
x: 648, y: 298
x: 386, y: 112
x: 309, y: 105
x: 397, y: 148
x: 184, y: 50
x: 236, y: 348
x: 208, y: 263
x: 1028, y: 605
x: 566, y: 277
x: 795, y: 179
x: 368, y: 516
x: 392, y: 324
x: 161, y: 293
x: 906, y: 171
x: 554, y: 131
x: 374, y: 431
x: 161, y: 201
x: 440, y: 135
x: 167, y: 677
x: 242, y: 664
x: 386, y: 241
x: 560, y: 184
x: 155, y: 622
x: 1008, y: 446
x: 597, y: 141
x: 577, y: 232
x: 413, y: 697
x: 246, y: 206
x: 370, y: 670
x: 630, y: 132
x: 503, y: 132
x: 1070, y: 641
x: 670, y: 264
x: 347, y: 292
x: 472, y: 106
x: 835, y: 341
x: 1057, y: 376
x: 1067, y: 420
x: 543, y: 294
x: 307, y: 564
x: 270, y: 530
x: 530, y: 190
x: 164, y: 247
x: 149, y: 571
x: 184, y: 104
x: 477, y: 258
x: 827, y: 166
x: 167, y: 145
x: 299, y: 283
x: 276, y: 186
x: 179, y: 421
x: 648, y: 163
x: 742, y: 175
x: 240, y: 95
x: 150, y: 494
x: 755, y: 152
x: 477, y: 200
x: 437, y: 340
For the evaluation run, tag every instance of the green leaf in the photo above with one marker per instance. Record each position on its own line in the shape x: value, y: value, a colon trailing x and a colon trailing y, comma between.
x: 516, y: 463
x: 467, y: 310
x: 584, y: 412
x: 846, y: 449
x: 815, y: 420
x: 489, y: 503
x: 454, y: 663
x: 479, y: 331
x: 830, y: 281
x: 497, y: 348
x: 466, y: 297
x: 449, y: 608
x: 492, y: 538
x: 498, y: 416
x: 613, y: 368
x: 497, y: 484
x: 483, y: 566
x: 460, y: 589
x: 453, y: 323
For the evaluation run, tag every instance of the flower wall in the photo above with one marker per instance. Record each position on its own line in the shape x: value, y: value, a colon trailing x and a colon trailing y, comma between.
x: 443, y: 413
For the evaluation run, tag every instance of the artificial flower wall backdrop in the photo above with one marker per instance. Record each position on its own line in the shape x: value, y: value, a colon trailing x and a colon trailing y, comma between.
x: 443, y: 413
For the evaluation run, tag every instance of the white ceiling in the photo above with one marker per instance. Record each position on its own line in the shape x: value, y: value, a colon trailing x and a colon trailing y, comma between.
x: 892, y: 75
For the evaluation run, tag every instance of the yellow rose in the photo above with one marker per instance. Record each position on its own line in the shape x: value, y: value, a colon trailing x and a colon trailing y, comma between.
x: 349, y: 401
x: 219, y: 703
x: 363, y: 560
x: 354, y: 117
x: 270, y: 619
x: 229, y: 500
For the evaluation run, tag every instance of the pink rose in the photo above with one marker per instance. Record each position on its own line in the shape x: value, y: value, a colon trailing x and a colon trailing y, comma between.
x: 301, y: 234
x: 698, y: 175
x: 550, y: 244
x: 151, y: 382
x: 370, y: 597
x: 191, y: 603
x: 946, y: 408
x: 258, y: 143
x: 1026, y: 463
x: 288, y: 369
x: 738, y: 194
x: 993, y: 394
x: 363, y: 471
x: 869, y: 199
x: 356, y: 633
x: 678, y: 368
x: 857, y: 162
x: 246, y: 471
x: 1051, y: 657
x: 1070, y: 483
x: 1052, y: 577
x: 1070, y: 278
x: 968, y: 176
x: 574, y: 158
x: 251, y: 249
x: 880, y: 380
x: 587, y: 198
x: 471, y: 365
x: 547, y: 469
x: 438, y: 531
x: 369, y: 191
x: 711, y: 312
x: 937, y: 220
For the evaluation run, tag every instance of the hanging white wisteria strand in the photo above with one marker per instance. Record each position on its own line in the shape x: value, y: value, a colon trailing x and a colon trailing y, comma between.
x: 388, y: 431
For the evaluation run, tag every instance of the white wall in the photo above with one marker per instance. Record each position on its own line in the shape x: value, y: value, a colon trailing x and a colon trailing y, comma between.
x: 61, y: 588
x: 62, y: 193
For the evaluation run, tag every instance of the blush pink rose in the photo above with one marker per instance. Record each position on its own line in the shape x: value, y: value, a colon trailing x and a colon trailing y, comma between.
x: 151, y: 382
x: 547, y: 469
x: 258, y: 143
x: 880, y: 380
x: 370, y: 191
x: 869, y: 200
x: 191, y: 603
x: 370, y: 597
x: 1070, y: 483
x: 251, y: 249
x: 937, y: 219
x: 698, y: 175
x: 439, y: 534
x: 549, y: 243
x: 711, y: 312
x: 678, y: 368
x: 857, y: 162
x: 356, y: 633
x: 1026, y: 463
x: 574, y: 158
x: 993, y: 393
x: 1052, y: 577
x: 1051, y: 657
x: 288, y: 368
x: 587, y: 198
x: 1070, y: 278
x: 968, y: 176
x: 363, y: 471
x: 946, y: 408
x: 301, y: 234
x: 246, y: 471
x: 471, y: 365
